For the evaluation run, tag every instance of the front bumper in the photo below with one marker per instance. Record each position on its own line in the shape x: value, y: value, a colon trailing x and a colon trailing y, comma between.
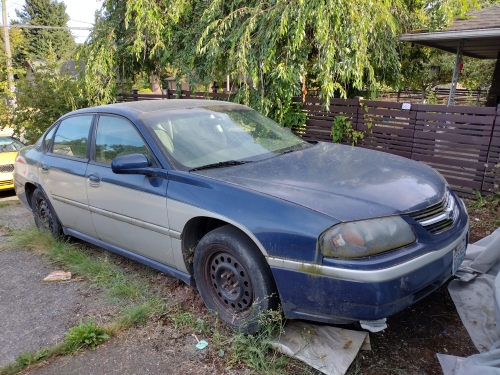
x: 6, y: 181
x: 338, y: 295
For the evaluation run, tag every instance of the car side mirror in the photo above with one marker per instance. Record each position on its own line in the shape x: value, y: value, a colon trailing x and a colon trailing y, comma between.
x: 136, y: 164
x: 129, y: 164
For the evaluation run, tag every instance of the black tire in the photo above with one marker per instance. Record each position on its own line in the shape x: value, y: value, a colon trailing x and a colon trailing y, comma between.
x: 233, y: 278
x: 45, y: 216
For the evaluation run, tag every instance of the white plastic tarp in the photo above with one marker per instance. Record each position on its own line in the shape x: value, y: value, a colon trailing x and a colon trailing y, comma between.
x: 330, y: 350
x: 476, y: 295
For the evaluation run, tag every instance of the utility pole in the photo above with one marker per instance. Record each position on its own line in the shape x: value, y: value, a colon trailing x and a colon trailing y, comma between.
x: 10, y: 76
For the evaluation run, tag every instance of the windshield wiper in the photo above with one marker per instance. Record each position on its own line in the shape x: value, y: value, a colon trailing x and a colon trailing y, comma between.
x: 219, y: 165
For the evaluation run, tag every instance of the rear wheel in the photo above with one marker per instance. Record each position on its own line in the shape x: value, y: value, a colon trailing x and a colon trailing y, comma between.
x: 233, y: 278
x: 44, y: 214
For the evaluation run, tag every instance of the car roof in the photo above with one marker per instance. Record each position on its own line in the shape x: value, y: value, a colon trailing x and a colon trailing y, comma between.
x: 146, y: 106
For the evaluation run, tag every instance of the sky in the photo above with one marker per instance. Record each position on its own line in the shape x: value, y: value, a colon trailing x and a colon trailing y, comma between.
x: 81, y: 14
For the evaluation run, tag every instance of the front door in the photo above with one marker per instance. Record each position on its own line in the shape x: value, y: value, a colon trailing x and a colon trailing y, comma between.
x: 63, y: 170
x: 128, y: 211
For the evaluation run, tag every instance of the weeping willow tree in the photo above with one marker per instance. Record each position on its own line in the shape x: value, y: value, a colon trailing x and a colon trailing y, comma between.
x: 279, y: 49
x: 272, y: 50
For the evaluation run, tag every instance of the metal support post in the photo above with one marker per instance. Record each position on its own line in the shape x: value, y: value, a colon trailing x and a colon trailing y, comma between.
x: 10, y: 75
x: 454, y: 80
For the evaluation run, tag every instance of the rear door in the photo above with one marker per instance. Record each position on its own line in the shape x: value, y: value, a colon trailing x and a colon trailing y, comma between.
x: 62, y: 173
x: 128, y: 211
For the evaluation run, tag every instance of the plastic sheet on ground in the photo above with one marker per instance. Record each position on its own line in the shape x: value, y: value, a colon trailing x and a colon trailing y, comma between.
x: 476, y: 295
x: 330, y: 350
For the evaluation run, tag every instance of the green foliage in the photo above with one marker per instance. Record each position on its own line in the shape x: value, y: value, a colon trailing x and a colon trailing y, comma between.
x: 480, y: 200
x: 42, y: 42
x: 255, y: 350
x: 424, y: 68
x: 85, y: 334
x: 270, y: 50
x: 18, y: 49
x: 342, y: 128
x: 28, y: 358
x: 290, y: 115
x: 431, y: 97
x: 45, y: 96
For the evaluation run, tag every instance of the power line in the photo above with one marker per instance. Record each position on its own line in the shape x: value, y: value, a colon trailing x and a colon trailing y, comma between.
x: 19, y: 26
x: 88, y: 23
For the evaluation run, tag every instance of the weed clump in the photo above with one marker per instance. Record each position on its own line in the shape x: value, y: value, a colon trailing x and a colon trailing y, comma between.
x: 85, y: 334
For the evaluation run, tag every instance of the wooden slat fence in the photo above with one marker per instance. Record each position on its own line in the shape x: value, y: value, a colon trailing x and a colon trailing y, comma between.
x: 319, y: 121
x: 461, y: 142
x: 455, y: 141
x: 439, y: 96
x: 387, y: 127
x: 171, y: 94
x: 491, y: 178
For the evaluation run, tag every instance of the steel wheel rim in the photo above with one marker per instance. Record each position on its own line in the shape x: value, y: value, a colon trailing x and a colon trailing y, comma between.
x: 231, y: 286
x: 44, y: 214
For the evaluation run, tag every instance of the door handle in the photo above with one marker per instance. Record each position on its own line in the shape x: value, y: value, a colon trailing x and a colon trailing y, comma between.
x: 94, y: 180
x: 45, y: 168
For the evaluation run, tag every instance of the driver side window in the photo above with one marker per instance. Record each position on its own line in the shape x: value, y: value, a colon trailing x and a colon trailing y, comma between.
x: 117, y: 137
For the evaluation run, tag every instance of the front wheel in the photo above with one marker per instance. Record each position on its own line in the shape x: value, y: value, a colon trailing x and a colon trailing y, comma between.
x: 45, y: 217
x: 233, y: 278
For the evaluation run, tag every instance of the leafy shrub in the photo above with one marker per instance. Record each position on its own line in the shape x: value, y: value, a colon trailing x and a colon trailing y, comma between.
x: 85, y: 334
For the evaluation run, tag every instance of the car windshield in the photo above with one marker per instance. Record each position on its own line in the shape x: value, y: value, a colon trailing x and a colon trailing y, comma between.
x: 222, y: 135
x: 8, y: 144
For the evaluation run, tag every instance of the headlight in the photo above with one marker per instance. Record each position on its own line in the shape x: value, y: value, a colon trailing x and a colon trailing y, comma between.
x: 358, y: 239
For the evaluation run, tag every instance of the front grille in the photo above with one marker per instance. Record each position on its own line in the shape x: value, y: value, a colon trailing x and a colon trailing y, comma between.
x: 7, y: 168
x: 439, y: 217
x: 6, y: 182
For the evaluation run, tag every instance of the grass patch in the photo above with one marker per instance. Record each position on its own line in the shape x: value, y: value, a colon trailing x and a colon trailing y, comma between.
x: 28, y: 358
x: 82, y: 261
x: 85, y: 334
x: 255, y: 350
x: 131, y: 291
x: 9, y: 203
x: 131, y: 315
x: 139, y: 302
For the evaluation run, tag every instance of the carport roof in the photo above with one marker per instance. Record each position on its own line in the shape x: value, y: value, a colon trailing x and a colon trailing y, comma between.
x: 480, y: 31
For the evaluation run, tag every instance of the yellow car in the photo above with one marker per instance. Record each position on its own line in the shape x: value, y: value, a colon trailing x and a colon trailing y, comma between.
x: 9, y: 147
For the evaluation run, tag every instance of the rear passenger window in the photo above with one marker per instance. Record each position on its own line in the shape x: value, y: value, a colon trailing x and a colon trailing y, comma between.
x: 117, y: 137
x: 72, y: 137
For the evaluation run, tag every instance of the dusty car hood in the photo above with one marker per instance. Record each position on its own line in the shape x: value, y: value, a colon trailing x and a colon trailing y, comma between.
x: 347, y: 183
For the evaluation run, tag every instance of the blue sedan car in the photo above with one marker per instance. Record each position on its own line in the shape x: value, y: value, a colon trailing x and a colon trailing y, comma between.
x: 220, y: 196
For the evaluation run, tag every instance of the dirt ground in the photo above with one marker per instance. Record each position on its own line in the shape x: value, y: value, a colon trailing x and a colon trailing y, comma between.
x: 408, y: 346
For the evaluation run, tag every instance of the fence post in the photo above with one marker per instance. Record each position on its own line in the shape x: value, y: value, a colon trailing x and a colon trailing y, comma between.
x: 413, y: 121
x: 359, y: 113
x: 489, y: 147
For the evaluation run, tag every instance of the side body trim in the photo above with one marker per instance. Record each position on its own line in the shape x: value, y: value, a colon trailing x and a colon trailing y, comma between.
x: 71, y: 202
x: 123, y: 218
x: 188, y: 279
x: 380, y: 275
x: 130, y: 220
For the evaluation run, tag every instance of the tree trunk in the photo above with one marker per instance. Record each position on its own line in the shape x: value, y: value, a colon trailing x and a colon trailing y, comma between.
x: 494, y: 93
